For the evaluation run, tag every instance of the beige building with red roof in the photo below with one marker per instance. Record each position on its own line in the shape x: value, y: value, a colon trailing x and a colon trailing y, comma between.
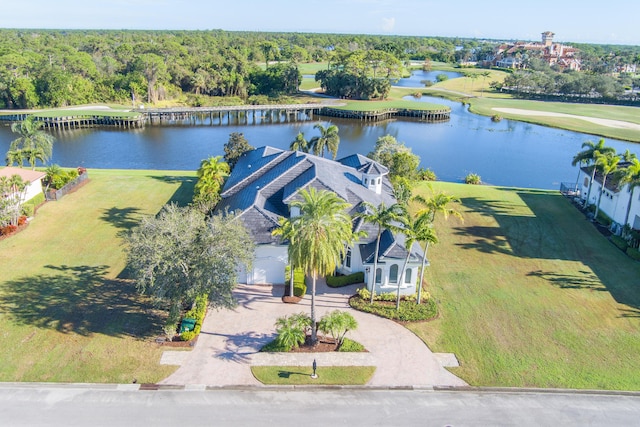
x: 33, y: 177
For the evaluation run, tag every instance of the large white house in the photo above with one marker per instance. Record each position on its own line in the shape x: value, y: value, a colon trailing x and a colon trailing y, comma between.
x: 616, y: 198
x: 266, y: 180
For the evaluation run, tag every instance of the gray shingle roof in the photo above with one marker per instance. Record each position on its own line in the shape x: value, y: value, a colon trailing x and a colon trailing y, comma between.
x: 266, y: 180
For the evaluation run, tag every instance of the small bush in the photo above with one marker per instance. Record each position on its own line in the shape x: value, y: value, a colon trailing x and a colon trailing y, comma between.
x: 22, y: 220
x: 619, y: 242
x: 603, y: 219
x: 350, y: 346
x: 633, y: 254
x: 350, y: 279
x: 442, y: 77
x: 8, y: 229
x: 299, y: 282
x: 28, y: 210
x: 188, y: 335
x: 426, y: 175
x: 496, y: 118
x: 274, y: 346
x: 472, y: 178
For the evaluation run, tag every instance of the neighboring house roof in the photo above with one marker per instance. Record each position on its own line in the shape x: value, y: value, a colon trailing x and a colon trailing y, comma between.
x: 613, y: 179
x: 266, y: 180
x: 26, y: 174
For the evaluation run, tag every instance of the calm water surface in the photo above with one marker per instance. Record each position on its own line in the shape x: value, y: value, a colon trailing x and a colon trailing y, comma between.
x: 507, y: 153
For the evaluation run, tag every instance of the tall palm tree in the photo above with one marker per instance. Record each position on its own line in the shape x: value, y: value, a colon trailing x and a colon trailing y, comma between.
x: 385, y: 217
x: 427, y: 234
x: 300, y: 143
x: 211, y: 175
x: 411, y: 230
x: 321, y: 234
x: 587, y: 156
x: 607, y: 163
x: 328, y: 140
x: 33, y: 142
x: 631, y: 177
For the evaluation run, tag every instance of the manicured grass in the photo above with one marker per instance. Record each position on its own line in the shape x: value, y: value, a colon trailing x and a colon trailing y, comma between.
x: 485, y: 107
x: 66, y: 311
x: 530, y: 294
x: 312, y: 67
x: 308, y: 84
x: 301, y: 375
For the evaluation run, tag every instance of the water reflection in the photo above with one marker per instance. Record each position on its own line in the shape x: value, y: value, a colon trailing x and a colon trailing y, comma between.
x: 504, y: 153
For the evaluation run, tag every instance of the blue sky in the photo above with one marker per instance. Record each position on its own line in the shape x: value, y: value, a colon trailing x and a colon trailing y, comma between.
x: 588, y: 21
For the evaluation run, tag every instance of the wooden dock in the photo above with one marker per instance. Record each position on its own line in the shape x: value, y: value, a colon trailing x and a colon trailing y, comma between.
x: 431, y: 116
x: 80, y: 121
x: 235, y: 115
x: 229, y: 115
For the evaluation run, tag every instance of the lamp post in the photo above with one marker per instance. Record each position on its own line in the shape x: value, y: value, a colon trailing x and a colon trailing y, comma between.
x: 314, y: 366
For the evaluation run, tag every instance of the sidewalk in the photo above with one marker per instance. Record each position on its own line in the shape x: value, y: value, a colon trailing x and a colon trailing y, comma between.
x: 230, y: 339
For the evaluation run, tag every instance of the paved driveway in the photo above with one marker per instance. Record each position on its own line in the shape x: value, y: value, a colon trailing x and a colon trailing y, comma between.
x: 230, y: 339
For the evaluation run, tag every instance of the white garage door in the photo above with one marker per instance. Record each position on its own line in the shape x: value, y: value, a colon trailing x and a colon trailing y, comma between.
x: 268, y: 266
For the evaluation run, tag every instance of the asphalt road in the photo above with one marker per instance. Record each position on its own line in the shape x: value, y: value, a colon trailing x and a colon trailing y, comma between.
x: 52, y: 405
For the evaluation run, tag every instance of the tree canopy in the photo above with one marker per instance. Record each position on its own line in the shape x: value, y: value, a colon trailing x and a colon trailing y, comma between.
x: 180, y: 254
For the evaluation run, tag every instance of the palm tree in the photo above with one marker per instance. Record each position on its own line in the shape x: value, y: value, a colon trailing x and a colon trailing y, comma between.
x: 385, y: 217
x: 300, y: 143
x: 34, y: 143
x: 15, y: 156
x: 328, y: 140
x: 321, y: 234
x: 411, y: 230
x: 211, y: 175
x: 588, y: 156
x: 484, y: 75
x: 286, y: 232
x: 631, y: 177
x: 607, y: 163
x: 427, y: 234
x: 438, y: 203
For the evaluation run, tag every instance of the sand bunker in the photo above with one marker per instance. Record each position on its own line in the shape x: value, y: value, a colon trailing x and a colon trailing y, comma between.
x: 619, y: 124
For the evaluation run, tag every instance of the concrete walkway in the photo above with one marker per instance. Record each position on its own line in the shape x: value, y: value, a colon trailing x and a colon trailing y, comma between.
x: 230, y: 339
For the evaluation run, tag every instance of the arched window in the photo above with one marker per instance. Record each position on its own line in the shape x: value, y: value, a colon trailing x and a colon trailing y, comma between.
x: 393, y: 274
x: 407, y: 276
x: 379, y: 275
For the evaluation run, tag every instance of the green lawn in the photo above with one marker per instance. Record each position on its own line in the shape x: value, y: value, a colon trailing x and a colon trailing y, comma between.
x: 66, y: 314
x: 531, y: 295
x: 301, y: 375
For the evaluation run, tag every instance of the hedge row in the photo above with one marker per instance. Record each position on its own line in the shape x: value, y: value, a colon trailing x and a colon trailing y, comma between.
x: 29, y: 207
x: 339, y: 281
x: 619, y: 242
x: 197, y: 312
x: 633, y: 253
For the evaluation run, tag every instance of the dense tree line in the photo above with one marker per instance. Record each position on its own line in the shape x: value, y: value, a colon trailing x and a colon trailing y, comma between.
x: 49, y: 68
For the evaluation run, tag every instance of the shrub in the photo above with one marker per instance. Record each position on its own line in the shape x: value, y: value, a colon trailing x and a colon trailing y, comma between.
x: 442, y: 77
x: 619, y: 242
x: 409, y: 310
x: 633, y: 254
x: 28, y: 210
x: 198, y: 312
x: 299, y: 282
x: 350, y: 279
x: 472, y: 178
x: 22, y: 220
x: 8, y: 229
x: 274, y: 346
x: 496, y: 118
x: 426, y: 175
x: 350, y: 346
x: 337, y: 324
x: 603, y: 219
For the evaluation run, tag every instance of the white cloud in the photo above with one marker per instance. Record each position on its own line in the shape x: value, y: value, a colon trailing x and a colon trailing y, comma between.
x: 388, y: 24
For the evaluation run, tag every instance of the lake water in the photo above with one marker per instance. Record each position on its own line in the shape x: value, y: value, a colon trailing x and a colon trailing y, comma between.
x: 506, y: 153
x: 418, y: 77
